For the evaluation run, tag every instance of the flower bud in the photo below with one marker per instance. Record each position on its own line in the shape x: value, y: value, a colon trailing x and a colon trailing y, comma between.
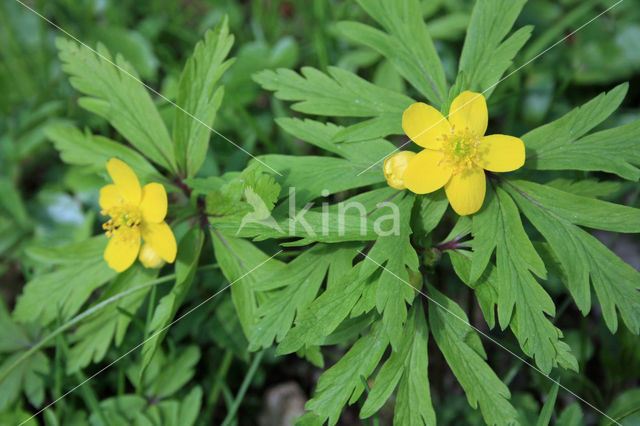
x: 394, y: 167
x: 149, y: 258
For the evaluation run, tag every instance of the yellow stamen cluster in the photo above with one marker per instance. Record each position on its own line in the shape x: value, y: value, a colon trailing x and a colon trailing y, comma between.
x: 460, y: 149
x: 124, y: 221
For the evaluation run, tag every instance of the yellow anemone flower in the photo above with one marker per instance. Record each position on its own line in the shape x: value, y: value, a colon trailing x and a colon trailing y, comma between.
x: 457, y: 151
x: 135, y: 213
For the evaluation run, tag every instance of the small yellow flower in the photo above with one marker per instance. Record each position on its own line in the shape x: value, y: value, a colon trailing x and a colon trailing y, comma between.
x: 136, y: 213
x: 457, y: 151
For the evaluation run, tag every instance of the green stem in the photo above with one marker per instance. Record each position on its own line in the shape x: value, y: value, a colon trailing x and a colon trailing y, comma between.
x: 217, y: 386
x: 243, y: 389
x: 36, y: 347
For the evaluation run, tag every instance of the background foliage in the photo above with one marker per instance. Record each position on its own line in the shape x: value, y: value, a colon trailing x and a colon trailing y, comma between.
x: 287, y: 63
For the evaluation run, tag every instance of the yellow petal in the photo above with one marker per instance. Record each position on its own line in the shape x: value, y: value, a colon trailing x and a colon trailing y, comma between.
x: 395, y: 166
x: 426, y: 172
x: 425, y: 125
x: 469, y: 111
x: 110, y: 197
x: 149, y: 258
x: 161, y: 239
x: 122, y: 249
x: 466, y: 191
x: 126, y: 180
x: 500, y: 153
x: 154, y: 203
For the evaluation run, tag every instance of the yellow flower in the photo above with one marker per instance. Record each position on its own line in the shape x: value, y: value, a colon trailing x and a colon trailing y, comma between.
x: 136, y: 213
x: 457, y: 151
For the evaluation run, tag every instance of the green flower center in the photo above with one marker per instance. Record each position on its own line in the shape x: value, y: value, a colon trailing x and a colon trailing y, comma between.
x: 459, y: 149
x: 124, y: 221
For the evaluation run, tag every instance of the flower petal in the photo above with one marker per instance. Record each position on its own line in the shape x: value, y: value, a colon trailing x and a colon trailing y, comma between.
x: 466, y: 191
x: 394, y: 167
x: 426, y: 172
x: 154, y: 203
x: 424, y: 125
x: 469, y: 110
x: 122, y: 250
x: 500, y: 153
x: 126, y: 180
x: 110, y: 197
x: 161, y: 239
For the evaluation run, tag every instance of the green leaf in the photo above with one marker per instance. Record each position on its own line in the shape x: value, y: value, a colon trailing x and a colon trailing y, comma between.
x: 325, y: 313
x: 463, y: 351
x: 592, y: 188
x: 86, y: 149
x: 238, y: 258
x: 116, y: 94
x: 200, y: 96
x: 298, y: 283
x: 65, y: 289
x: 341, y: 384
x: 326, y: 135
x: 28, y: 377
x: 522, y: 301
x: 88, y: 250
x: 395, y: 255
x: 562, y: 145
x: 407, y: 366
x: 316, y: 174
x: 339, y: 94
x: 189, y: 251
x: 95, y: 335
x: 406, y: 44
x: 547, y: 409
x: 485, y: 56
x: 583, y: 211
x: 571, y: 416
x: 616, y: 283
x: 485, y: 288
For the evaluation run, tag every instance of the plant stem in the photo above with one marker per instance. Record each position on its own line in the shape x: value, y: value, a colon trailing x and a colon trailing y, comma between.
x: 243, y: 389
x: 217, y: 386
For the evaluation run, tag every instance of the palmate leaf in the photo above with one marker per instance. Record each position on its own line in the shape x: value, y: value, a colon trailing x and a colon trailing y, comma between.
x: 561, y: 144
x: 119, y: 97
x: 522, y: 302
x: 464, y: 353
x: 485, y: 56
x: 339, y: 94
x: 395, y: 254
x: 342, y: 383
x: 297, y: 285
x: 406, y: 44
x: 582, y: 256
x: 197, y: 96
x: 408, y: 367
x: 319, y: 319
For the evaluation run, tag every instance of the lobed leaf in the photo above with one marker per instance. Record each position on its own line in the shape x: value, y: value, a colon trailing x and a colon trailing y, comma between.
x: 201, y: 96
